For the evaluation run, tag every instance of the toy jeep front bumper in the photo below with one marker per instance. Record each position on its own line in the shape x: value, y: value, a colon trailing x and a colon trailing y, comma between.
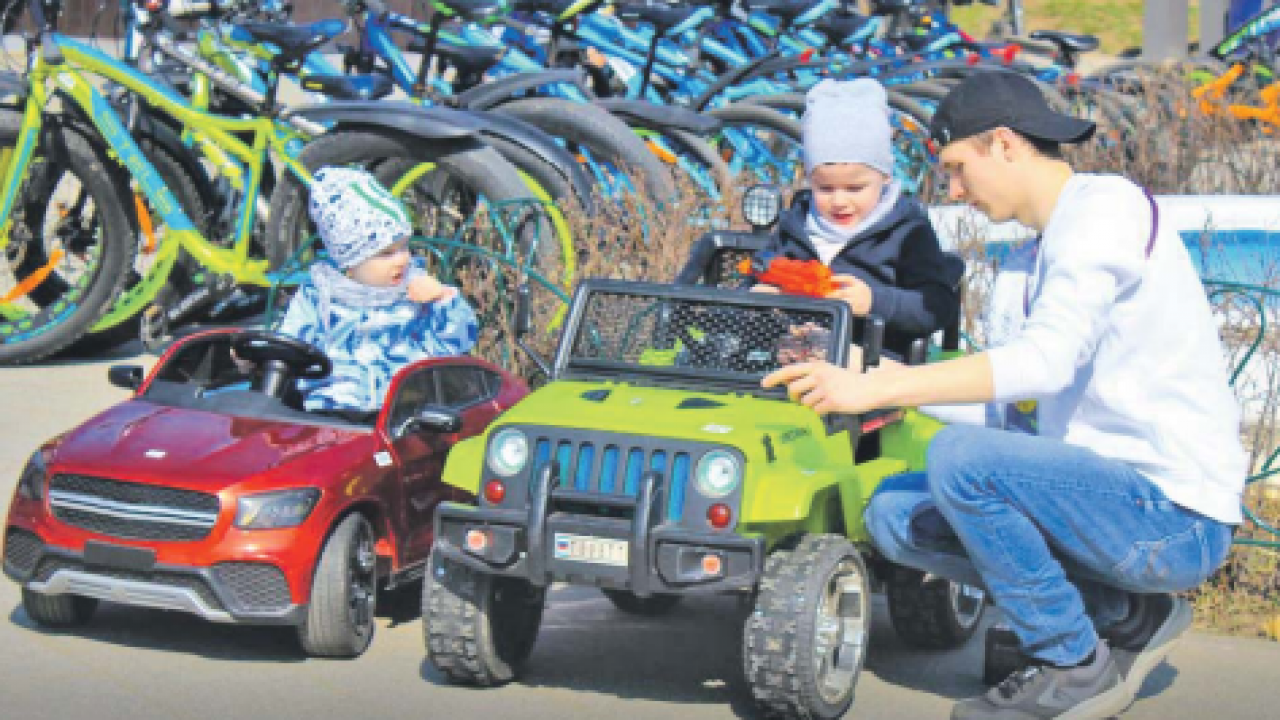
x: 661, y: 557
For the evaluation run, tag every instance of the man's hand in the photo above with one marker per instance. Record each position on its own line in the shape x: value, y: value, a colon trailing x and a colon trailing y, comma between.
x: 426, y: 289
x: 244, y: 366
x: 826, y: 388
x: 854, y: 292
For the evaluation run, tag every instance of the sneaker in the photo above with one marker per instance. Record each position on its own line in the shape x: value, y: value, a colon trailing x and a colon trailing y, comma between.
x: 1039, y: 692
x: 1143, y: 639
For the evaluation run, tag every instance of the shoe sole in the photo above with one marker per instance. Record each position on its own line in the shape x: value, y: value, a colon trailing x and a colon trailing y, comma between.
x: 1100, y: 707
x: 1158, y: 648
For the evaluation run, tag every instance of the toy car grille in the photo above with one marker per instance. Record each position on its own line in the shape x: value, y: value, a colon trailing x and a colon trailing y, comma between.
x: 52, y: 564
x: 132, y: 510
x: 716, y: 335
x: 253, y: 586
x: 22, y: 550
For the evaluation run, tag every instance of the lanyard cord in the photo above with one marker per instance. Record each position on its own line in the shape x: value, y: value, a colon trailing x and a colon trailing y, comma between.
x: 1151, y: 243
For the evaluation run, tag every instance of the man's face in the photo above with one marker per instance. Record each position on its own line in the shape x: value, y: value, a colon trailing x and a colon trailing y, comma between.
x: 384, y: 269
x: 845, y: 193
x: 978, y: 174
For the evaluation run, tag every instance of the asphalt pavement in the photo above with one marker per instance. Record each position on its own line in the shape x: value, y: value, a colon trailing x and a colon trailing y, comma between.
x: 590, y: 661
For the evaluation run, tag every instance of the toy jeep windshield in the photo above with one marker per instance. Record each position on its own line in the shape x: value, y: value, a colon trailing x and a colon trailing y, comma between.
x: 654, y: 465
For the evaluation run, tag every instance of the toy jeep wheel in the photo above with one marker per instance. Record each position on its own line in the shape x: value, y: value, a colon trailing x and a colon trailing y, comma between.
x: 632, y: 604
x: 479, y: 628
x: 58, y: 611
x: 805, y: 644
x: 339, y: 621
x: 932, y: 612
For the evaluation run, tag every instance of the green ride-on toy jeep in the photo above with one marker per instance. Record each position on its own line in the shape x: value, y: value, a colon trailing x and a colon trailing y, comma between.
x: 653, y: 465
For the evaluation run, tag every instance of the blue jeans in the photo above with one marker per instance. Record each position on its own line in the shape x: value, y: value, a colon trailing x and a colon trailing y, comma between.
x: 1055, y: 533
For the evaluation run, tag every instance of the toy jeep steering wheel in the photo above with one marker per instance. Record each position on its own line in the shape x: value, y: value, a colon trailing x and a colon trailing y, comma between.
x: 282, y: 358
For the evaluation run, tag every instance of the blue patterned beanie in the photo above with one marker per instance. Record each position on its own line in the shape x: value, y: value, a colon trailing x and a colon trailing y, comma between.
x: 847, y: 122
x: 355, y: 215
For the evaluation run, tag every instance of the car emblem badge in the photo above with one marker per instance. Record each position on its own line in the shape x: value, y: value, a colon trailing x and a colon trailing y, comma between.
x: 383, y: 458
x: 721, y: 429
x: 155, y: 454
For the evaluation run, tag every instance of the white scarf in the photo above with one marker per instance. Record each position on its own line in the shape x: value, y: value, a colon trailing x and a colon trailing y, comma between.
x: 829, y: 239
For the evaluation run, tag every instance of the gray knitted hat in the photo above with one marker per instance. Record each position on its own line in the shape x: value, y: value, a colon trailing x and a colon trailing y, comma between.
x: 355, y: 216
x: 847, y: 122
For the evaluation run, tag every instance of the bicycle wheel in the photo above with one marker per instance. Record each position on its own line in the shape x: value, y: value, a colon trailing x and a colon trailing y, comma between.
x: 611, y: 149
x: 473, y: 165
x: 759, y: 143
x: 69, y: 248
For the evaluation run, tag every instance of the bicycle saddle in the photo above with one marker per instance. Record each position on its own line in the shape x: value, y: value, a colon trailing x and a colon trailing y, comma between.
x: 294, y: 41
x: 467, y: 59
x: 555, y: 8
x: 662, y: 17
x: 786, y: 10
x: 350, y: 87
x: 474, y: 10
x: 838, y: 25
x: 1066, y: 40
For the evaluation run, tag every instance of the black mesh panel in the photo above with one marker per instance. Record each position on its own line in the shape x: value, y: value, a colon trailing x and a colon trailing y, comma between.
x: 254, y: 586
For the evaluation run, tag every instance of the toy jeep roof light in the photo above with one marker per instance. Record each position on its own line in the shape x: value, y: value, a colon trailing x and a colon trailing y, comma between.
x: 696, y: 337
x: 761, y: 205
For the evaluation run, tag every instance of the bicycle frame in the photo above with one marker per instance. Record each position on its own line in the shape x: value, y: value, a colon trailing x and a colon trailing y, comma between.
x: 213, y: 134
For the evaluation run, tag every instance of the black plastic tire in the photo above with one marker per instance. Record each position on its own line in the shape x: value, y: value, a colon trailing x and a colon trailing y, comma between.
x: 479, y: 167
x: 63, y: 153
x: 479, y: 629
x: 601, y: 133
x: 182, y: 278
x: 1002, y: 655
x: 58, y: 611
x: 340, y: 616
x: 931, y: 612
x: 652, y: 606
x: 781, y: 648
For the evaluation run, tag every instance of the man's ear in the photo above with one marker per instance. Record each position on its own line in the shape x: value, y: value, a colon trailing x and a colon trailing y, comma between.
x: 1006, y: 144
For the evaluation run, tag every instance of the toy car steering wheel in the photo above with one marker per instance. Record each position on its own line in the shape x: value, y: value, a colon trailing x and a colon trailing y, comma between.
x: 282, y: 358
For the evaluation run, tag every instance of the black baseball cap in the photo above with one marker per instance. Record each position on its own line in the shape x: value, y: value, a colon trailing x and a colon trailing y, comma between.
x: 993, y: 98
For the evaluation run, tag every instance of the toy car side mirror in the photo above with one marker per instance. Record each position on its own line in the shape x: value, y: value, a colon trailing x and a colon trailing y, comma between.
x: 435, y: 419
x: 522, y: 310
x: 128, y: 377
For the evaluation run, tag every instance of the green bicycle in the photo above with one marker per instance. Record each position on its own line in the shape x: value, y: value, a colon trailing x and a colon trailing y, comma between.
x: 68, y: 223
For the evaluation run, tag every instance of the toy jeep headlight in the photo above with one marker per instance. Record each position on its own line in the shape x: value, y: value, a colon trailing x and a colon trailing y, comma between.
x: 718, y: 474
x: 508, y: 452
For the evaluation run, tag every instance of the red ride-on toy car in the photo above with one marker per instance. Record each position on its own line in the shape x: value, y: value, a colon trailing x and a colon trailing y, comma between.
x: 213, y: 492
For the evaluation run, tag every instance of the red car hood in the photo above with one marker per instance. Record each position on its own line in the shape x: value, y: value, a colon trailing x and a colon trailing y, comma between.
x: 140, y: 440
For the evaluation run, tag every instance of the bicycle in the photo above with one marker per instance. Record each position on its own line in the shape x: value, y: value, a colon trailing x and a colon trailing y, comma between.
x: 66, y: 216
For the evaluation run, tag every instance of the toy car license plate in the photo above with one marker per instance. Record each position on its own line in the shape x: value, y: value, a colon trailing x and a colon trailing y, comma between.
x: 584, y: 548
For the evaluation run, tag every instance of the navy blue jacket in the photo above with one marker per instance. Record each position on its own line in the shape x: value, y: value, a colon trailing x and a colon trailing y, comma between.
x: 914, y: 285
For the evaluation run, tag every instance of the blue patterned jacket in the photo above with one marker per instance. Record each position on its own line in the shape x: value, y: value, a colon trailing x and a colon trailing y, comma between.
x: 368, y: 345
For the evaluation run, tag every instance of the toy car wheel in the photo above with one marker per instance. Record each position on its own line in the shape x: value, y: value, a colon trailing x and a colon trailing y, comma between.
x: 632, y: 604
x: 806, y: 641
x: 479, y: 628
x: 58, y: 611
x: 339, y: 621
x: 932, y: 612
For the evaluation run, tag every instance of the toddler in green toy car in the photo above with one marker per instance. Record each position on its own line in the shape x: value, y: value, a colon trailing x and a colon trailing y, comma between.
x: 855, y: 219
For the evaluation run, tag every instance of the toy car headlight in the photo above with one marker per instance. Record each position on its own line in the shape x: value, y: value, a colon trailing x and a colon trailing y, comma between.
x: 31, y: 482
x: 508, y: 452
x: 718, y: 474
x: 283, y: 509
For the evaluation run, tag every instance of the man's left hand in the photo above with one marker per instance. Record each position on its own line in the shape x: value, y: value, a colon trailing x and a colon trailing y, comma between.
x: 826, y: 388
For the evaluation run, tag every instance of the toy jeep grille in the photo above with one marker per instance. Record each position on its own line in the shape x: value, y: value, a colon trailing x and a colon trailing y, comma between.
x: 132, y: 510
x: 713, y: 337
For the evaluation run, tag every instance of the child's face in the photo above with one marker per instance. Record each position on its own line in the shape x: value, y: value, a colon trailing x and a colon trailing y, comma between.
x: 845, y: 193
x: 385, y: 269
